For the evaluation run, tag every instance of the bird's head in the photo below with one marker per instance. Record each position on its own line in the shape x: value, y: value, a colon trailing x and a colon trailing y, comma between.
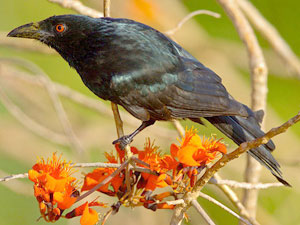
x: 65, y: 33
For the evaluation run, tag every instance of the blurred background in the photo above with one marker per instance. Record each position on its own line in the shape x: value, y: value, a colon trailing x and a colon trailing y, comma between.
x: 32, y: 120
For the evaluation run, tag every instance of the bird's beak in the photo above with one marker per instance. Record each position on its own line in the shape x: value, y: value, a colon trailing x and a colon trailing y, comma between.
x: 30, y: 30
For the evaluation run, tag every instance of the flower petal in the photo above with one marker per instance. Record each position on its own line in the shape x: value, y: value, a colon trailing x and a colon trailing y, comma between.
x: 89, y: 216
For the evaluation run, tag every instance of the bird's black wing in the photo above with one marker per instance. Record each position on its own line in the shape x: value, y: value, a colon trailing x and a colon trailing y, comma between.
x: 198, y: 92
x: 164, y: 81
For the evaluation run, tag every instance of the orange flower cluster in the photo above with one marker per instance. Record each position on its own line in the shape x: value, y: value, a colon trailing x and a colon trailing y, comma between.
x: 181, y: 167
x: 194, y: 151
x: 194, y: 154
x: 56, y: 191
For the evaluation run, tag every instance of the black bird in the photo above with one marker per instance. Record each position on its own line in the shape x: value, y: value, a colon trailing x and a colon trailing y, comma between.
x: 151, y: 76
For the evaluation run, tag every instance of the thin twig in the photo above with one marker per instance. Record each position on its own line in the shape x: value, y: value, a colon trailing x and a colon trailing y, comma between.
x: 270, y: 33
x: 137, y: 160
x: 189, y: 16
x: 107, y: 214
x: 113, y: 165
x: 235, y: 200
x: 14, y: 176
x: 85, y: 165
x: 244, y: 185
x: 106, y: 8
x: 178, y: 127
x: 207, y: 197
x: 96, y: 164
x: 118, y: 120
x: 202, y: 212
x: 105, y: 181
x: 78, y: 7
x: 18, y: 187
x: 175, y: 202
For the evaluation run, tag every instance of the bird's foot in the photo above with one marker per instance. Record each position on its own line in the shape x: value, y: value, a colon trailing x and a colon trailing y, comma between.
x: 123, y: 141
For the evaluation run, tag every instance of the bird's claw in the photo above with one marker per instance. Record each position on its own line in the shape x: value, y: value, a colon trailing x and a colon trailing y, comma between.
x: 123, y: 141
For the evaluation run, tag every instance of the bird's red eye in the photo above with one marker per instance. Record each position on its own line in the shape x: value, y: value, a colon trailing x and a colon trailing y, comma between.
x: 60, y: 28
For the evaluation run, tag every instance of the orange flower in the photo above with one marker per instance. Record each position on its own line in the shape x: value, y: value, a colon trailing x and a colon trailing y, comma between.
x: 89, y: 216
x: 53, y: 174
x: 152, y: 156
x: 65, y: 199
x: 98, y: 175
x: 194, y: 151
x: 154, y: 181
x: 54, y: 188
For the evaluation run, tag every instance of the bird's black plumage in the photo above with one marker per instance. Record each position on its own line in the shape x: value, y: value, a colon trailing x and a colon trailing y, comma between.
x: 152, y: 77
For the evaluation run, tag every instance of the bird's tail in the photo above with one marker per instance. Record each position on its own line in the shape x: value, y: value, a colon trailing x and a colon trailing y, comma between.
x: 241, y: 129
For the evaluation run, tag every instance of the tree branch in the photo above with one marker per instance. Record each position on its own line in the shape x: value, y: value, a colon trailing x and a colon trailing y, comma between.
x: 235, y: 200
x: 244, y: 185
x: 202, y: 195
x: 188, y: 17
x: 78, y: 7
x: 270, y: 33
x: 202, y: 212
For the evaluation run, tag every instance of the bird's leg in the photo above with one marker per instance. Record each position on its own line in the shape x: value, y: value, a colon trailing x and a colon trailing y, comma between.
x: 127, y: 139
